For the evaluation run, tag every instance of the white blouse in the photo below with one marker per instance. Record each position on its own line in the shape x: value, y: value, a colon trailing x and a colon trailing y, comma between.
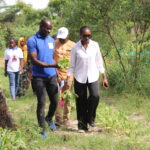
x: 13, y: 55
x: 86, y: 63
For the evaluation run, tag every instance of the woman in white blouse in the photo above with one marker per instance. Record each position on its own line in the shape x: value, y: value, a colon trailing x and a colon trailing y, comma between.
x: 86, y: 63
x: 13, y: 66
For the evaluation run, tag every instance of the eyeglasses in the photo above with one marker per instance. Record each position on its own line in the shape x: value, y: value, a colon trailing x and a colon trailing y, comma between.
x: 86, y: 35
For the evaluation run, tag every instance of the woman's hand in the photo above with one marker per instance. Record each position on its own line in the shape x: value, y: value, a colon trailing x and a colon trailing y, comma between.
x: 5, y: 74
x: 105, y: 83
x: 20, y: 70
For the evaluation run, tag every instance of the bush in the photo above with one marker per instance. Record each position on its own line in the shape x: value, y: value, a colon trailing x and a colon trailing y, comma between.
x: 136, y: 79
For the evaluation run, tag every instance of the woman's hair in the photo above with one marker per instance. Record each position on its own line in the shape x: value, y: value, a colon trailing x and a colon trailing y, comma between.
x: 20, y: 40
x: 83, y: 28
x: 13, y: 39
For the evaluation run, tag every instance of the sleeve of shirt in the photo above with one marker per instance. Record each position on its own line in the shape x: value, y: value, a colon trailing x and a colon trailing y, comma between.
x: 31, y: 44
x: 99, y: 59
x: 5, y: 55
x: 20, y: 53
x: 72, y: 62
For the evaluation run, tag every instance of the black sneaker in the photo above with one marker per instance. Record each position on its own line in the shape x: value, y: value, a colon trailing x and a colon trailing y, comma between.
x: 93, y: 127
x: 92, y: 124
x: 82, y: 126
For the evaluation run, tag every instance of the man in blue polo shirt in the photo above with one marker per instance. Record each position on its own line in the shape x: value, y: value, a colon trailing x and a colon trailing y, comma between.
x: 41, y: 48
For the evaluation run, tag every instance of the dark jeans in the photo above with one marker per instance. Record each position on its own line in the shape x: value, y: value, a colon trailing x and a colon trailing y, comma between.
x: 86, y: 105
x: 41, y: 85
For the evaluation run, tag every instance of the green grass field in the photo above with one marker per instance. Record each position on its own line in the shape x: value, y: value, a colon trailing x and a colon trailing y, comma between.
x: 124, y: 121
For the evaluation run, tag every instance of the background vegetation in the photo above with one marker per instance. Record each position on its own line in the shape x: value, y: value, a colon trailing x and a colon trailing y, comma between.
x: 122, y: 28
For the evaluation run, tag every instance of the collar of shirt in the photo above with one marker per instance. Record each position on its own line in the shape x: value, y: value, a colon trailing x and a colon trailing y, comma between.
x: 40, y: 36
x: 15, y: 48
x: 89, y: 44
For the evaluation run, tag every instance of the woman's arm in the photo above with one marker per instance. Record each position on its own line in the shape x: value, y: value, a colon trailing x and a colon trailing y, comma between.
x: 5, y: 68
x: 72, y: 63
x: 100, y: 65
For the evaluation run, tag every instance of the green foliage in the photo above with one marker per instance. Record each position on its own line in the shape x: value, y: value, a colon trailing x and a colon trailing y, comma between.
x: 132, y: 82
x: 2, y: 40
x: 115, y: 77
x: 64, y: 63
x: 68, y: 95
x: 116, y: 24
x: 11, y: 140
x: 119, y: 130
x: 4, y: 82
x: 17, y: 140
x: 112, y: 119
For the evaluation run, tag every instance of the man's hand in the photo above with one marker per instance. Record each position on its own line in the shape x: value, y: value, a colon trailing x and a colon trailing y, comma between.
x: 54, y: 65
x: 105, y: 83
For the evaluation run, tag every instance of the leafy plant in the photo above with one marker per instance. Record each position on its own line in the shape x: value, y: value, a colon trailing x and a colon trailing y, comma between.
x: 63, y: 63
x: 11, y: 140
x: 68, y: 95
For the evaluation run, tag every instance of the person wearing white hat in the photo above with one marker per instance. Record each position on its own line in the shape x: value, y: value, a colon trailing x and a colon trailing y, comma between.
x: 62, y: 33
x: 63, y: 48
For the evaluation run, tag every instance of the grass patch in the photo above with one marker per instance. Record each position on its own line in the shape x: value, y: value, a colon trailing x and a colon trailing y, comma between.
x: 117, y: 116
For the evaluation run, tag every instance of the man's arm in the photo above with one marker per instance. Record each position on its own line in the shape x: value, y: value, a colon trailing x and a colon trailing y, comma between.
x: 35, y: 61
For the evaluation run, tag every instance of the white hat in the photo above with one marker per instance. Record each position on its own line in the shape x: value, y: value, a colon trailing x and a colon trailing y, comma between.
x: 62, y: 33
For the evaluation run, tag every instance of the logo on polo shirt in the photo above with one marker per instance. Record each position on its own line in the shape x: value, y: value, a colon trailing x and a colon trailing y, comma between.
x: 50, y: 45
x: 14, y: 59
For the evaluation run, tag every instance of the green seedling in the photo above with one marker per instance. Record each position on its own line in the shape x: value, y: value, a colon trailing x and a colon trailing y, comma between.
x: 64, y: 63
x: 68, y: 95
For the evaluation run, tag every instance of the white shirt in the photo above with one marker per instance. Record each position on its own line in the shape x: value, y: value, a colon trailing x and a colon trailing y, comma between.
x: 13, y: 56
x: 86, y: 63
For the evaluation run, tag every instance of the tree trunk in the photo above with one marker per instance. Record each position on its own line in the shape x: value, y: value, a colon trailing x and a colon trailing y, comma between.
x: 5, y: 117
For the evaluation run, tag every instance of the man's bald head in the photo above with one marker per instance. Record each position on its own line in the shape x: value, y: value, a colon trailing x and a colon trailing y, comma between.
x: 45, y: 27
x: 44, y: 22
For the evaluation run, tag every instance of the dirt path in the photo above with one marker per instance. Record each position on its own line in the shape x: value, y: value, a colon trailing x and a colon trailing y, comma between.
x: 1, y: 62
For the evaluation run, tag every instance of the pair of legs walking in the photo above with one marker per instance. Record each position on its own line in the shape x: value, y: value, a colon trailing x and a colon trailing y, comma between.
x: 13, y: 83
x: 86, y: 105
x: 41, y: 86
x: 62, y: 114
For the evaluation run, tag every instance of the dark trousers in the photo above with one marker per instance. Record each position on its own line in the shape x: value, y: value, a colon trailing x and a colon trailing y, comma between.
x: 41, y: 86
x: 86, y: 105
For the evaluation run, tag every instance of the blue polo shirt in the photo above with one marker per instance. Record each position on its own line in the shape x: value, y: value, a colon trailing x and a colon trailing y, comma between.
x: 44, y: 46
